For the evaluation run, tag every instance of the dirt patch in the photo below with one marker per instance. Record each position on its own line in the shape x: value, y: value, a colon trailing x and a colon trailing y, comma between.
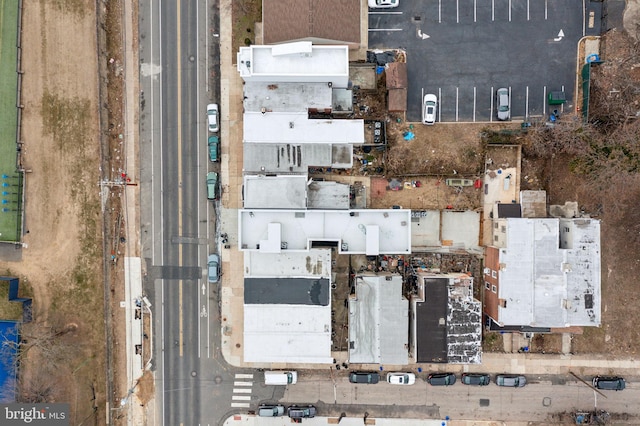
x: 245, y: 15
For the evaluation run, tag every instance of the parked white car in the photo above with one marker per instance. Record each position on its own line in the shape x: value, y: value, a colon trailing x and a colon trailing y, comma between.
x: 212, y: 117
x: 401, y: 378
x: 383, y: 4
x: 429, y: 107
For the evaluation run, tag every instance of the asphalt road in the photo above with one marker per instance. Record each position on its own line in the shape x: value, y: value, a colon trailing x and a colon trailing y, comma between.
x: 540, y: 400
x: 179, y: 67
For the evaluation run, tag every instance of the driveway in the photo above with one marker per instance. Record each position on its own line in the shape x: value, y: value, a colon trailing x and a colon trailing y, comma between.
x: 464, y: 50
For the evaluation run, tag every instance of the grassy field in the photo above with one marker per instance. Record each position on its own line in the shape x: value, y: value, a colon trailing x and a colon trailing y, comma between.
x: 10, y: 181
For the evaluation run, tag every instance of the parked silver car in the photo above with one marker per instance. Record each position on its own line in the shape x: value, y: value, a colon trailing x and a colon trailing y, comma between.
x: 383, y: 4
x: 511, y: 380
x: 502, y: 104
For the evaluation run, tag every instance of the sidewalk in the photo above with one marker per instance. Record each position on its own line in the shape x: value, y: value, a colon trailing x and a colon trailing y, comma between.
x: 248, y: 420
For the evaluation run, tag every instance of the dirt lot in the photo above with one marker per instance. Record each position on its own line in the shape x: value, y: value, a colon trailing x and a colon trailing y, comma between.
x: 62, y: 258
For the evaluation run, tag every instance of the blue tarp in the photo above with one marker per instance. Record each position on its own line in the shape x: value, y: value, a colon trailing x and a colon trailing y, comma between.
x: 9, y: 338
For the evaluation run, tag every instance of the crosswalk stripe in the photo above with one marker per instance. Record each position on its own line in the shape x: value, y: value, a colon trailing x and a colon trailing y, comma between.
x: 241, y: 390
x: 244, y: 376
x: 242, y: 383
x: 241, y: 397
x: 240, y: 405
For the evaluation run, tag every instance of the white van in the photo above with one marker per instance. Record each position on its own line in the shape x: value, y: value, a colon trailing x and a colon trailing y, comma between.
x: 280, y: 377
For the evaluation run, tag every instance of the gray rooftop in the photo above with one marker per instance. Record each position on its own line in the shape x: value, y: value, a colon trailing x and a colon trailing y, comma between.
x: 286, y: 291
x: 550, y: 273
x: 328, y: 195
x: 297, y: 128
x: 378, y: 321
x: 286, y: 97
x: 448, y: 321
x: 294, y: 157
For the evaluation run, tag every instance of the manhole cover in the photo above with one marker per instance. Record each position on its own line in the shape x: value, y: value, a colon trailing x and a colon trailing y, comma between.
x: 546, y: 401
x: 484, y: 402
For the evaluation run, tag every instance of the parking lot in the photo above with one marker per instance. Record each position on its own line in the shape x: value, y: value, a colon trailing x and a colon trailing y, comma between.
x: 464, y: 50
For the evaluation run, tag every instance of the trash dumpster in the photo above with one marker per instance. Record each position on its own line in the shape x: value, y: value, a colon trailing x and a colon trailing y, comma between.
x: 557, y: 98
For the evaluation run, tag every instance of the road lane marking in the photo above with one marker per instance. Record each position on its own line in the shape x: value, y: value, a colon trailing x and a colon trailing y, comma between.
x: 240, y: 405
x: 241, y: 398
x: 242, y: 390
x: 242, y: 383
x: 244, y: 376
x: 179, y: 78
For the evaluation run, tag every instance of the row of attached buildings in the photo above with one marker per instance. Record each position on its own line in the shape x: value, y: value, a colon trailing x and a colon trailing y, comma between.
x: 540, y: 274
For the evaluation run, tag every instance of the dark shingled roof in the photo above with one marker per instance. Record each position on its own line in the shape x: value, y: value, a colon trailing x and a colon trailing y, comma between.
x: 331, y: 20
x: 286, y: 291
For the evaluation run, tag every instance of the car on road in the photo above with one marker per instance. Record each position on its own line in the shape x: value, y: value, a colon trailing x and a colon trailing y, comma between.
x: 502, y: 104
x: 213, y: 264
x: 296, y: 412
x: 212, y: 117
x: 511, y: 380
x: 401, y: 378
x: 270, y: 410
x: 364, y: 377
x: 212, y: 186
x: 429, y: 107
x: 383, y: 4
x: 475, y: 379
x: 214, y: 148
x: 441, y: 379
x: 609, y: 383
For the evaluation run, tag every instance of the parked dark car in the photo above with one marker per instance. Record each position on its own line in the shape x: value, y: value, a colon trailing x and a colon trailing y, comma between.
x: 511, y: 380
x: 476, y: 379
x: 296, y: 412
x: 364, y: 377
x: 441, y: 379
x: 609, y: 383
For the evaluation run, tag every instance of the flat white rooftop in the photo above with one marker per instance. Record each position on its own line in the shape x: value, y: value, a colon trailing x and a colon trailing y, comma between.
x: 274, y: 127
x: 287, y: 334
x: 290, y: 264
x: 545, y: 285
x: 295, y: 62
x: 369, y: 231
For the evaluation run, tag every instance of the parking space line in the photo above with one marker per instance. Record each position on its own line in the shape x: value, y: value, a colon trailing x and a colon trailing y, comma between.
x: 528, y: 15
x: 545, y: 9
x: 475, y: 10
x: 456, y: 104
x: 562, y: 104
x: 493, y: 10
x: 491, y: 97
x: 526, y: 104
x: 440, y: 109
x: 386, y: 13
x: 240, y: 405
x: 509, y: 10
x: 474, y: 104
x: 457, y: 11
x: 544, y: 100
x: 439, y: 11
x: 384, y: 29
